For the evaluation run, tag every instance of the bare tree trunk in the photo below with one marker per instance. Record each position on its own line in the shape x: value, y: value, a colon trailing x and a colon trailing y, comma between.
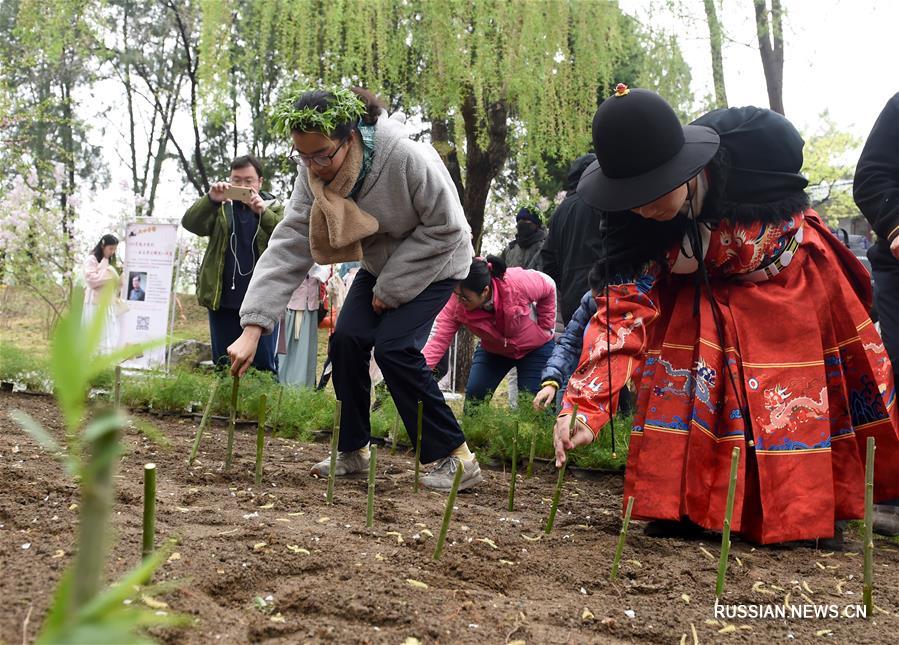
x: 711, y: 15
x: 769, y: 28
x: 482, y: 165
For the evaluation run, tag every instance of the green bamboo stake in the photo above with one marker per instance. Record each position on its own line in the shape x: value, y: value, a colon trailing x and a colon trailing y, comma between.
x: 117, y: 391
x: 260, y: 438
x: 728, y: 513
x: 232, y: 418
x: 394, y: 433
x: 622, y: 537
x: 530, y: 470
x: 372, y: 467
x: 868, y: 588
x: 558, y: 492
x: 448, y: 513
x: 149, y: 510
x: 335, y: 441
x: 203, y: 422
x: 418, y: 446
x: 514, y: 469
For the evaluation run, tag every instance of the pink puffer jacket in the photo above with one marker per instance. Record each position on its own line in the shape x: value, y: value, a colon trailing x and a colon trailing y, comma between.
x: 523, y: 317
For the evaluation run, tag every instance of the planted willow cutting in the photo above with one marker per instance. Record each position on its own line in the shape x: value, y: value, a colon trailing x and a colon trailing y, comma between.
x: 335, y: 442
x: 260, y: 438
x: 232, y: 419
x: 448, y: 513
x: 728, y: 514
x: 149, y: 532
x: 533, y: 452
x: 372, y: 468
x: 203, y: 422
x: 558, y: 492
x: 418, y: 446
x: 868, y: 588
x: 622, y: 536
x: 514, y: 468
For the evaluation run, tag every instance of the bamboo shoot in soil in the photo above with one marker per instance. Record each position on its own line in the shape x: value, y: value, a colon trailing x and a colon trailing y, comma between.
x: 232, y: 418
x: 335, y: 442
x: 530, y: 471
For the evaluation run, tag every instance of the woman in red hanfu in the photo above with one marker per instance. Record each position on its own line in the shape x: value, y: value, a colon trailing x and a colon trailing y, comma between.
x: 742, y: 321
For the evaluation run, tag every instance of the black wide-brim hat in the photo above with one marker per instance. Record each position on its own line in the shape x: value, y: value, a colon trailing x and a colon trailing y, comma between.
x: 642, y: 151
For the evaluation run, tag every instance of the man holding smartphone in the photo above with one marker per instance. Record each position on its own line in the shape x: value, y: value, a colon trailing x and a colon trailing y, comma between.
x: 238, y: 217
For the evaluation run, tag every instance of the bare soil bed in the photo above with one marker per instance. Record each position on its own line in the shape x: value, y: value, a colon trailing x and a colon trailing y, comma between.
x: 328, y: 578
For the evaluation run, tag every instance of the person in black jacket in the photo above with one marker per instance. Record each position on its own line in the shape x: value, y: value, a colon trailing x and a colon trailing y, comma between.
x: 573, y: 243
x: 876, y: 192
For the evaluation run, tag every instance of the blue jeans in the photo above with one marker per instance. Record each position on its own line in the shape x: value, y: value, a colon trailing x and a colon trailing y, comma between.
x: 488, y: 370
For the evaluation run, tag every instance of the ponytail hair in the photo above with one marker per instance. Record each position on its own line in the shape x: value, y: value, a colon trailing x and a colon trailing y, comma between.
x: 373, y: 105
x: 482, y: 271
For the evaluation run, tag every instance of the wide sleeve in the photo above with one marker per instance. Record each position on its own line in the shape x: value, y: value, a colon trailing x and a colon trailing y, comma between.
x: 620, y: 325
x: 876, y: 185
x: 96, y: 274
x: 442, y: 228
x: 284, y: 265
x: 445, y: 328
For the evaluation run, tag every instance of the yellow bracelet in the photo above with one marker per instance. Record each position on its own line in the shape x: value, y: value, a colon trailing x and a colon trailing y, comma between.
x: 550, y: 383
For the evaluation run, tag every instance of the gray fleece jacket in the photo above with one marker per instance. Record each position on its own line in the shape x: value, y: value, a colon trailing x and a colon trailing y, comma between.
x: 422, y: 236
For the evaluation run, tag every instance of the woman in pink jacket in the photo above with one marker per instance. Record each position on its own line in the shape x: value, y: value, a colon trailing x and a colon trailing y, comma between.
x: 512, y: 311
x: 99, y: 271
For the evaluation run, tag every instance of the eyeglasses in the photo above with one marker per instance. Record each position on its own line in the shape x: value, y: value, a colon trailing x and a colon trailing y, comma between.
x: 319, y: 160
x: 461, y: 296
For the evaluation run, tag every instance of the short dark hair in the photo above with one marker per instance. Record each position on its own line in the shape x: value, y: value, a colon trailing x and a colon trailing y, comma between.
x: 247, y: 160
x: 321, y: 100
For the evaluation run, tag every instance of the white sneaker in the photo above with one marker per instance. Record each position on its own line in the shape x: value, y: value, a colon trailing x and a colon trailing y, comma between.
x: 441, y: 477
x: 348, y: 463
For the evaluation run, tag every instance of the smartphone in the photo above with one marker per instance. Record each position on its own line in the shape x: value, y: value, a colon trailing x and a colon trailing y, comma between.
x: 240, y: 194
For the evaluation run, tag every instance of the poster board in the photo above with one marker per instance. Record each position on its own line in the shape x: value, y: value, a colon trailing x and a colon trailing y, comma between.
x: 147, y: 288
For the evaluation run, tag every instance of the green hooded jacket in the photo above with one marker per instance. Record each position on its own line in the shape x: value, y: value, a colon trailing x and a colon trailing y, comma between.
x: 207, y: 218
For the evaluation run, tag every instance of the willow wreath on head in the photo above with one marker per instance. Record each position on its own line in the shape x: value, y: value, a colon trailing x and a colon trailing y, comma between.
x: 346, y: 107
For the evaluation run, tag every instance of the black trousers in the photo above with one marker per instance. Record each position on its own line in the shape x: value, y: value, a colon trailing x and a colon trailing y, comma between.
x: 886, y: 302
x: 397, y: 337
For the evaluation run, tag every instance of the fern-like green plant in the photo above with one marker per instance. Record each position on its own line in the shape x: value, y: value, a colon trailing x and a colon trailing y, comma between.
x: 81, y: 612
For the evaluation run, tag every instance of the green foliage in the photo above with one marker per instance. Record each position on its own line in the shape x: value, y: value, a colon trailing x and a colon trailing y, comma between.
x: 81, y: 613
x: 829, y: 163
x: 345, y: 107
x: 22, y: 368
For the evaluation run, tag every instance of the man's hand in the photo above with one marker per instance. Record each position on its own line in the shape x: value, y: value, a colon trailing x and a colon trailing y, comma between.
x: 544, y: 397
x: 564, y: 439
x: 894, y: 247
x: 257, y: 204
x: 243, y: 350
x: 379, y: 305
x: 217, y: 191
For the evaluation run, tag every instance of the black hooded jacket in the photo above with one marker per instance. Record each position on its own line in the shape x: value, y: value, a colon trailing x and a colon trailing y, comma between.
x: 573, y: 243
x: 876, y: 185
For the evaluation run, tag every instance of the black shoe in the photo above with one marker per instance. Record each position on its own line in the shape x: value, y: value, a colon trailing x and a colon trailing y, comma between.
x: 886, y: 520
x: 672, y: 529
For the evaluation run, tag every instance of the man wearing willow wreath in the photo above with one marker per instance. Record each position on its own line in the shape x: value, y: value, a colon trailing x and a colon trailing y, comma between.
x: 365, y: 191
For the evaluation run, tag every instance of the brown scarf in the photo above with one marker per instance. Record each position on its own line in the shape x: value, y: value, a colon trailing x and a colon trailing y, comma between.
x: 336, y: 224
